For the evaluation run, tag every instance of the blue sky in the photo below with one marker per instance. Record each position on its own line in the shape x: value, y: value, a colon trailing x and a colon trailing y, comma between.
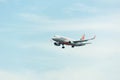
x: 27, y: 51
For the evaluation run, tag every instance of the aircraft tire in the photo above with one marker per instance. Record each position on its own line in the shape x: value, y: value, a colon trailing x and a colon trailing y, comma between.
x: 63, y: 47
x: 72, y: 46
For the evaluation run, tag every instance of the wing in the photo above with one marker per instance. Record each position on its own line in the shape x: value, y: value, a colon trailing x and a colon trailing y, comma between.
x: 84, y: 40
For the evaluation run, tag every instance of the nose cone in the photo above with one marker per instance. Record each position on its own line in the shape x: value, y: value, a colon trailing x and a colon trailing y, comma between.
x: 53, y: 38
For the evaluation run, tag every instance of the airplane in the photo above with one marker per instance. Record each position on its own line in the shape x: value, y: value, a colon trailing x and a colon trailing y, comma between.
x: 61, y: 40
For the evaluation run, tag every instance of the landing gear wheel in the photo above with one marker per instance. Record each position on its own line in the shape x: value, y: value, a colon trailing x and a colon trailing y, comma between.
x: 63, y: 47
x: 72, y: 46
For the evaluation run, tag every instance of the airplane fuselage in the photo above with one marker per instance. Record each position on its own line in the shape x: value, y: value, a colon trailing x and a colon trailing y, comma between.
x: 61, y: 40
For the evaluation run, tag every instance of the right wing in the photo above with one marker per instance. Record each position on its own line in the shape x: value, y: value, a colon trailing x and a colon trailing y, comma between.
x: 82, y: 40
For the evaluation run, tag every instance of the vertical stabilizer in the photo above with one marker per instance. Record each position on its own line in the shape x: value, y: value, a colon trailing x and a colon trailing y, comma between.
x: 83, y: 37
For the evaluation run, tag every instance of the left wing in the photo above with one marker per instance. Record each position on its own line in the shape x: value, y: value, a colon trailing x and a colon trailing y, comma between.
x: 84, y: 40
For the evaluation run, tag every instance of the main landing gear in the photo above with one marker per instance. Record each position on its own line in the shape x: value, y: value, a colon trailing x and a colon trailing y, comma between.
x: 63, y: 46
x: 72, y: 46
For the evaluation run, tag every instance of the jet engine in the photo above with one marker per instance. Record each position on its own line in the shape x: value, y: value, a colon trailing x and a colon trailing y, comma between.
x: 56, y: 44
x: 71, y: 42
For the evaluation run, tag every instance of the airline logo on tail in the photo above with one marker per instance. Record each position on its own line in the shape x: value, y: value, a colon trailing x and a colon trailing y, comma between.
x: 83, y: 37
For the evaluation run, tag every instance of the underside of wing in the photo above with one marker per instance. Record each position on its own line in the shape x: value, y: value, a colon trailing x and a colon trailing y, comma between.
x: 82, y: 40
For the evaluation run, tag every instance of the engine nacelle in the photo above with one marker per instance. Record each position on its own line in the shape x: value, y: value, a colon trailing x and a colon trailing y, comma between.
x: 71, y: 42
x: 56, y: 44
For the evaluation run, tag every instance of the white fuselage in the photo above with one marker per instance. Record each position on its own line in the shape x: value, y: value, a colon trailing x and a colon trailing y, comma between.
x: 67, y: 41
x: 61, y: 40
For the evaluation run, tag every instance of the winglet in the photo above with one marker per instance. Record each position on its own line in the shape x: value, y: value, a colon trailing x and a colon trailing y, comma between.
x: 93, y: 37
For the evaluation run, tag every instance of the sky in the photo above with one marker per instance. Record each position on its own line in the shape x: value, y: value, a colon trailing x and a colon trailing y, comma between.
x: 28, y: 53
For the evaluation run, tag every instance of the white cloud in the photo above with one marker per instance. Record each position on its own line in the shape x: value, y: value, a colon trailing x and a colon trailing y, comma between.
x: 7, y: 75
x: 101, y: 23
x: 94, y: 72
x: 36, y: 18
x: 74, y: 74
x: 108, y: 22
x: 68, y: 73
x: 36, y: 45
x: 79, y: 7
x: 107, y: 1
